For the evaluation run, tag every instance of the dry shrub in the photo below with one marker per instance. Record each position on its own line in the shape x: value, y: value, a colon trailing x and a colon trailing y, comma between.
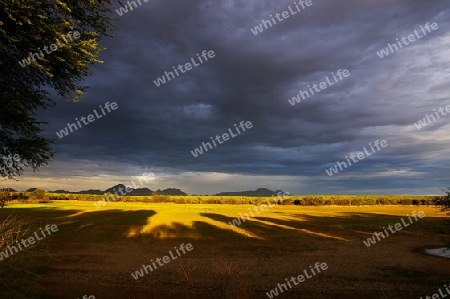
x: 12, y: 229
x: 186, y: 269
x: 4, y: 197
x: 227, y: 271
x: 15, y: 280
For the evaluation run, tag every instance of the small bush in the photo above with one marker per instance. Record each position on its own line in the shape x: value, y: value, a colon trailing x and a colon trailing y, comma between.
x: 287, y: 201
x: 343, y: 202
x: 309, y: 201
x: 39, y: 193
x: 328, y: 202
x: 4, y: 197
x: 160, y: 198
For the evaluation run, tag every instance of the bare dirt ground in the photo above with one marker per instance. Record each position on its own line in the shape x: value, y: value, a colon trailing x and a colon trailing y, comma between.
x: 96, y: 258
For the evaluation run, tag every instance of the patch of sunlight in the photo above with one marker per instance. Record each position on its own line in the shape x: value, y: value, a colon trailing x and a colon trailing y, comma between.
x: 76, y: 214
x: 67, y: 222
x: 236, y: 229
x: 171, y: 220
x: 301, y: 230
x: 323, y: 235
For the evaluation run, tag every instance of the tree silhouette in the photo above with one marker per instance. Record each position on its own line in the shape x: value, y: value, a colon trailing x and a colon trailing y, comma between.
x: 41, y: 57
x: 445, y: 201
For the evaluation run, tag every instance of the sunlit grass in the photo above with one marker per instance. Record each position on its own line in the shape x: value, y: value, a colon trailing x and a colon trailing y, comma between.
x: 169, y: 220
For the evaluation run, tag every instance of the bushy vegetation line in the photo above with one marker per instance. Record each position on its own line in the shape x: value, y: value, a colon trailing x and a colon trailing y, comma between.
x: 39, y: 196
x: 444, y: 201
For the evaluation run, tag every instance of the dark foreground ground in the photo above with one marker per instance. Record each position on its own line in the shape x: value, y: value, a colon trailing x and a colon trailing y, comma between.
x: 94, y: 252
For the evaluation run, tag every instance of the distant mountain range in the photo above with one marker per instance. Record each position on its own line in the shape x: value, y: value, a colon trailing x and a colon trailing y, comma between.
x: 121, y: 189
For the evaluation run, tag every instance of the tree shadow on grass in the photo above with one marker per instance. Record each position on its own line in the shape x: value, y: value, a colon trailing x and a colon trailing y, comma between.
x: 274, y: 227
x: 199, y: 230
x: 23, y: 271
x: 108, y: 225
x: 253, y: 226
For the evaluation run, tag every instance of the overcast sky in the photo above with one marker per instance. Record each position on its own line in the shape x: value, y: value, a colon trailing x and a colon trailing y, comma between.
x: 154, y: 129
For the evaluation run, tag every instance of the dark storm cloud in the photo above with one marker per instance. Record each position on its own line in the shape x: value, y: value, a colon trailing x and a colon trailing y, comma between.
x: 251, y: 78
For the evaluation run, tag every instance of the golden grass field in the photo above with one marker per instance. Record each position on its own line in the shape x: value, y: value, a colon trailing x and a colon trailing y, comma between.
x: 95, y: 251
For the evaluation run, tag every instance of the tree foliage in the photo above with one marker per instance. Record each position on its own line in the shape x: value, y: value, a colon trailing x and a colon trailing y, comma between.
x: 26, y: 27
x: 4, y: 196
x: 445, y: 201
x: 39, y: 193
